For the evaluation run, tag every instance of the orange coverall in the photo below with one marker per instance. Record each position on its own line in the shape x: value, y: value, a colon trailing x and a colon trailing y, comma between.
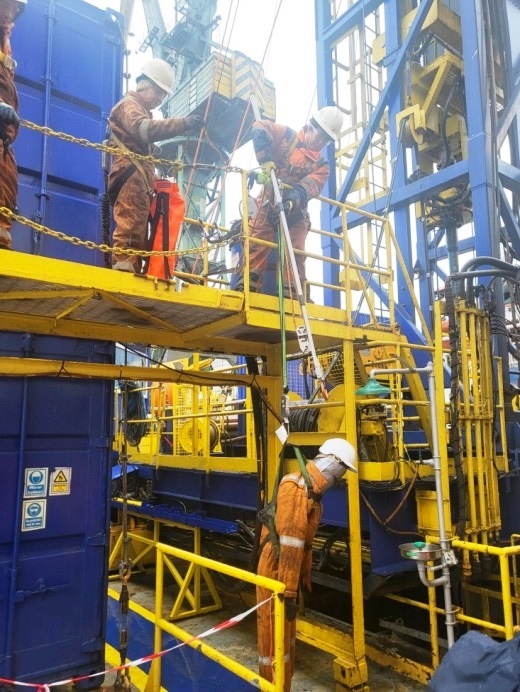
x: 295, y: 165
x: 297, y: 520
x: 132, y: 204
x: 8, y: 172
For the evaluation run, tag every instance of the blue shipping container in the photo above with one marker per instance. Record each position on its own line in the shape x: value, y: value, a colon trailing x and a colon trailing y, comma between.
x: 55, y: 433
x: 55, y: 451
x: 69, y: 75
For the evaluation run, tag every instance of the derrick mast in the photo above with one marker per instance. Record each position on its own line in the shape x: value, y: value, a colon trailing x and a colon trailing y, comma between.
x: 215, y: 83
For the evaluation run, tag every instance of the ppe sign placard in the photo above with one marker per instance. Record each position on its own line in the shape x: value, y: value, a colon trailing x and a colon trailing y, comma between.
x: 60, y: 480
x: 35, y: 482
x: 34, y: 514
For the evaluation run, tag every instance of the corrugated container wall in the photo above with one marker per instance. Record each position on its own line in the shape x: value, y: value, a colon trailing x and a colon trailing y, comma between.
x: 55, y: 434
x: 69, y: 76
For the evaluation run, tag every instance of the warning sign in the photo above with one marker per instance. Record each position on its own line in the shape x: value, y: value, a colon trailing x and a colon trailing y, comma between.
x: 60, y: 481
x: 34, y: 514
x: 35, y: 482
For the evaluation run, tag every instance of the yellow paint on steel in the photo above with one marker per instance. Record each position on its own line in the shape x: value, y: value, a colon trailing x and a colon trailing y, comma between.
x: 162, y: 625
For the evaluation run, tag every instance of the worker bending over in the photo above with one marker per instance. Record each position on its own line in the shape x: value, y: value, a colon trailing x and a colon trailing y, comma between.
x: 9, y: 121
x: 298, y: 514
x: 130, y: 182
x: 298, y: 162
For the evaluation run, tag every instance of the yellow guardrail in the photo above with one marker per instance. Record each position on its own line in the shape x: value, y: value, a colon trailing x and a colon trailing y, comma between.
x: 504, y: 554
x: 162, y: 625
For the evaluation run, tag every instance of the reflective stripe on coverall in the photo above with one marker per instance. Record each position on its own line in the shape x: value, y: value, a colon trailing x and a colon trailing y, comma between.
x: 295, y: 164
x: 8, y: 172
x: 297, y: 520
x: 132, y: 123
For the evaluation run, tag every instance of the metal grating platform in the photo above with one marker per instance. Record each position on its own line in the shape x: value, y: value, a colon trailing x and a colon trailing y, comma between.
x: 49, y: 296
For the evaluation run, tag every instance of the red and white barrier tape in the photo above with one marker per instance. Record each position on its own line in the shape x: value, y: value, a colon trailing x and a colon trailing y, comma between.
x: 46, y: 687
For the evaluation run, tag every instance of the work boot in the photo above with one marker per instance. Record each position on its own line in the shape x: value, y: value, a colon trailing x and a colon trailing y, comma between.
x: 253, y: 283
x: 124, y: 266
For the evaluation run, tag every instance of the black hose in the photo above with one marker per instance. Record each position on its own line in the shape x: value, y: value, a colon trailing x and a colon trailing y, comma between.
x: 136, y: 411
x: 105, y: 222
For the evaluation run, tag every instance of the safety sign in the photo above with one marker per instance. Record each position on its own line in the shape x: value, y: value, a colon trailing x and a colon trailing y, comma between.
x: 34, y: 514
x: 35, y: 482
x: 60, y: 480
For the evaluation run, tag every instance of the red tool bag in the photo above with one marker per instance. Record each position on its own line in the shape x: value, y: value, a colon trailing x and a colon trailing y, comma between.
x: 164, y: 224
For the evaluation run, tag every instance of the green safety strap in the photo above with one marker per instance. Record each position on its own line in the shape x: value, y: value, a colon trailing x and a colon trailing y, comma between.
x: 302, y: 463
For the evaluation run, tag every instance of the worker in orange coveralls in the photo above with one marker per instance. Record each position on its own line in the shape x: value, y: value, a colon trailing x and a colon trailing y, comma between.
x: 130, y: 182
x: 298, y: 514
x: 9, y: 121
x: 296, y: 158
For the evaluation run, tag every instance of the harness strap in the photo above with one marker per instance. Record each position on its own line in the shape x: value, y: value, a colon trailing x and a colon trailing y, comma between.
x: 162, y: 209
x: 137, y: 164
x: 115, y: 189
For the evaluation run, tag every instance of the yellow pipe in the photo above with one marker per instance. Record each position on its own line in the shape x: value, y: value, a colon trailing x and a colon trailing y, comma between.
x: 506, y: 596
x: 486, y: 365
x: 485, y: 624
x: 486, y: 548
x: 484, y: 523
x: 434, y: 627
x: 354, y: 521
x: 413, y: 602
x: 469, y: 447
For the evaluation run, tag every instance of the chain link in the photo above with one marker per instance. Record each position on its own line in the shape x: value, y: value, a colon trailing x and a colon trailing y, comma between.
x: 103, y: 247
x: 116, y: 151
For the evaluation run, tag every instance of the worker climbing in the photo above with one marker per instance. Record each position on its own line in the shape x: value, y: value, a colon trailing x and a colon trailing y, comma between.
x: 130, y: 182
x: 9, y: 120
x: 287, y: 554
x: 296, y: 157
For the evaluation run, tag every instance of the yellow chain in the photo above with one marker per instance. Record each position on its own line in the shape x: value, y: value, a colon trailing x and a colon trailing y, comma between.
x: 102, y: 247
x: 116, y: 151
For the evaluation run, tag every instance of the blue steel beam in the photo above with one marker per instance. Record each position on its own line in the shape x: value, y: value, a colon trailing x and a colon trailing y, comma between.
x: 353, y: 17
x: 510, y: 221
x: 509, y: 176
x: 392, y: 83
x: 424, y: 188
x: 326, y: 97
x: 508, y: 115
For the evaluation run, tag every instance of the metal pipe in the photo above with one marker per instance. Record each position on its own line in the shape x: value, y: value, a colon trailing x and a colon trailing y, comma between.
x: 435, y: 462
x: 9, y: 627
x: 445, y: 543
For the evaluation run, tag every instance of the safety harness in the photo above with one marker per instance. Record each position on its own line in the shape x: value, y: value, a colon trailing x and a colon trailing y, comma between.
x: 127, y: 173
x: 267, y: 515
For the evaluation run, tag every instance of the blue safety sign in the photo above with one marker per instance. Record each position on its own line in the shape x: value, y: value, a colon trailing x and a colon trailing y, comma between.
x: 34, y: 514
x: 36, y: 482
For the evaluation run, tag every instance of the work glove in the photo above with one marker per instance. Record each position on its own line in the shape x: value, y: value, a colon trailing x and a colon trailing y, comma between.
x: 290, y: 609
x: 193, y: 123
x: 264, y: 176
x: 292, y: 200
x: 8, y: 115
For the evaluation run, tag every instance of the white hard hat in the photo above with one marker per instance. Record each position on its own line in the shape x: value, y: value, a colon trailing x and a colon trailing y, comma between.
x: 341, y: 449
x: 160, y: 73
x: 330, y: 119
